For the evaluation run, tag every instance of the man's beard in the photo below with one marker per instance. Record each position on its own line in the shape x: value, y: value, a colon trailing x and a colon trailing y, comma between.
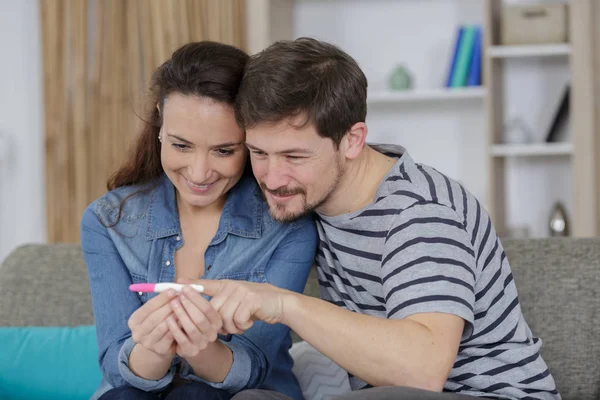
x: 278, y: 212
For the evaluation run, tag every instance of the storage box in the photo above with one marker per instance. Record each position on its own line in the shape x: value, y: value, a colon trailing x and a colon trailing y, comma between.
x: 534, y: 24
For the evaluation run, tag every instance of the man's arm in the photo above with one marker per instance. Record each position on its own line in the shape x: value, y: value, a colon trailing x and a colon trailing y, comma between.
x: 428, y: 276
x: 417, y: 351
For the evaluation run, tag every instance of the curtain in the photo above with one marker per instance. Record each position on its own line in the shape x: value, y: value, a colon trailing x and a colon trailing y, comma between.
x: 98, y: 57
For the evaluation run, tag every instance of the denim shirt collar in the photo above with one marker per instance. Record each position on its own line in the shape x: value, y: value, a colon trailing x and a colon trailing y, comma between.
x: 241, y: 216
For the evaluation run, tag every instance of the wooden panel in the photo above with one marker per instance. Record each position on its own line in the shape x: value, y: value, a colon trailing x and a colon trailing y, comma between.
x: 583, y: 118
x: 79, y: 186
x: 94, y: 86
x: 492, y: 78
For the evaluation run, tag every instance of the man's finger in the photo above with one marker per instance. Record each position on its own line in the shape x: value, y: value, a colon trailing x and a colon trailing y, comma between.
x: 211, y: 287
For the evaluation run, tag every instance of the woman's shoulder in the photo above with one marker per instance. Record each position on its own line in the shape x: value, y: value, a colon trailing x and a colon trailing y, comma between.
x: 127, y: 203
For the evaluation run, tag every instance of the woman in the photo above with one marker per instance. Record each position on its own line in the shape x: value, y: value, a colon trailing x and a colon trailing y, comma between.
x: 185, y: 206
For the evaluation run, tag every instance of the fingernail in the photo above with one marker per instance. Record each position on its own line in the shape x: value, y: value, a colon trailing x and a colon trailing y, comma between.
x: 172, y: 293
x: 175, y: 303
x: 187, y: 290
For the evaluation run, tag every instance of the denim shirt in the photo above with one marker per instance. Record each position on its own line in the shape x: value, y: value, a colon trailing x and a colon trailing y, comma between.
x: 249, y: 245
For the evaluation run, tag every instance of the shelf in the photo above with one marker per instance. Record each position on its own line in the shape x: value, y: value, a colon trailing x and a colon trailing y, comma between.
x: 537, y: 149
x: 543, y: 50
x: 378, y: 97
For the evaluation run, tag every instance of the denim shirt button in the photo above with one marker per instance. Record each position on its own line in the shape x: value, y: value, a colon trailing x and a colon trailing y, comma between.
x: 168, y: 263
x: 178, y: 238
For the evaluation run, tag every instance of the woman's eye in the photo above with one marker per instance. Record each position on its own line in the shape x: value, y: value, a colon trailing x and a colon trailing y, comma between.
x: 224, y: 152
x: 180, y: 147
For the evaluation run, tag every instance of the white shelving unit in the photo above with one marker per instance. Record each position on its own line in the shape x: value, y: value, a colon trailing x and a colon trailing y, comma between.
x: 469, y: 93
x: 517, y: 172
x: 460, y: 131
x: 546, y: 50
x: 532, y: 150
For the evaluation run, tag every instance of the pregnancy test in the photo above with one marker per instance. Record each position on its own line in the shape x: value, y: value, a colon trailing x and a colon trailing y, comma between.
x: 161, y: 287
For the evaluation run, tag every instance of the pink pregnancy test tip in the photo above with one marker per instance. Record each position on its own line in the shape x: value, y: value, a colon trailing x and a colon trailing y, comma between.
x: 142, y: 287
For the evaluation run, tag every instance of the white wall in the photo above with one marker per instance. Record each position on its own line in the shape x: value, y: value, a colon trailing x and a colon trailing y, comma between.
x: 22, y: 212
x: 448, y: 135
x: 378, y: 33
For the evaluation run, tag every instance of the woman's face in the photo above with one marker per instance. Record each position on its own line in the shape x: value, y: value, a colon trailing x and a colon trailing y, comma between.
x: 202, y: 150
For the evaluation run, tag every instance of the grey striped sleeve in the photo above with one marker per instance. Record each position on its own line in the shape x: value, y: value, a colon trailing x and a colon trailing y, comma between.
x: 428, y: 264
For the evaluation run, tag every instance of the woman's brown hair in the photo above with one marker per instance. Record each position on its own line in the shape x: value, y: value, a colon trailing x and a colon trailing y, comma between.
x: 204, y: 69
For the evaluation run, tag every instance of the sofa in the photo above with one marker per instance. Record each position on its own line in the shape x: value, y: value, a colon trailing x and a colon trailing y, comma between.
x: 558, y: 281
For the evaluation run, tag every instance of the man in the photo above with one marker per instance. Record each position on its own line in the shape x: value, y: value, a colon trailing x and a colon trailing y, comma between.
x: 418, y: 295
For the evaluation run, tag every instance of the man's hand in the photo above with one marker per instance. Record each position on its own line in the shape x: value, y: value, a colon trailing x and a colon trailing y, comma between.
x: 241, y: 303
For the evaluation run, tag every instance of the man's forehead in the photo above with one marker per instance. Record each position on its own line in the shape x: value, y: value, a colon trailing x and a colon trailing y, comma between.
x: 282, y: 135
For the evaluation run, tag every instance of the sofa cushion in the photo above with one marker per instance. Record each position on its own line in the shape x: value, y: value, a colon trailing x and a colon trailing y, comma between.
x: 45, y: 285
x: 319, y: 377
x: 48, y: 363
x: 558, y: 281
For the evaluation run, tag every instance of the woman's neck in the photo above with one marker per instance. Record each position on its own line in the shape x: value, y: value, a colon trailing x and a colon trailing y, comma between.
x: 190, y: 212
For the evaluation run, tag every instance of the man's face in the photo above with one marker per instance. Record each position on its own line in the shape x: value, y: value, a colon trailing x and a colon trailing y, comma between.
x: 297, y: 169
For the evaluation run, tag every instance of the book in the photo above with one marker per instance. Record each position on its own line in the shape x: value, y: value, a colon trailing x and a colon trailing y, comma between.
x: 459, y: 33
x: 560, y: 117
x: 474, y: 74
x: 465, y: 51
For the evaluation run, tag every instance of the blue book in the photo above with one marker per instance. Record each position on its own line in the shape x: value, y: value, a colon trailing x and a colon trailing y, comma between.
x: 459, y: 35
x: 474, y: 76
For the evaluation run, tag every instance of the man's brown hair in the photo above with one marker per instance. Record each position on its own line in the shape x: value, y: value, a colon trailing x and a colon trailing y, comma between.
x: 304, y: 77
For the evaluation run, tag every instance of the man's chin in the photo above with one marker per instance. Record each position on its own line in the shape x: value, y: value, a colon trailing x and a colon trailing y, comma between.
x: 282, y: 215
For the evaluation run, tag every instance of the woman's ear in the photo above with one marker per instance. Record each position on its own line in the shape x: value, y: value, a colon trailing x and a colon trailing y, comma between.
x: 354, y: 140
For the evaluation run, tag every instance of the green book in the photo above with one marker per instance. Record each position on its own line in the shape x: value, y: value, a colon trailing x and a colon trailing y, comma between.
x: 463, y: 59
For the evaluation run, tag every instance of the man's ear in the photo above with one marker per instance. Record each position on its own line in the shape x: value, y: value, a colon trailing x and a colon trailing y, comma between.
x: 158, y: 108
x: 354, y: 140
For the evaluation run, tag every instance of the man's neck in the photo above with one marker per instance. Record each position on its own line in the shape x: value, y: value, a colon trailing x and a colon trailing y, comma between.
x: 358, y: 186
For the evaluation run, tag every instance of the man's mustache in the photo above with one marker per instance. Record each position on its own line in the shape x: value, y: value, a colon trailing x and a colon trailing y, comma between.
x: 282, y: 191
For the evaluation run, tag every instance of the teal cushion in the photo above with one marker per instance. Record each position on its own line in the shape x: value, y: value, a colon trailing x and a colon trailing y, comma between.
x: 48, y: 363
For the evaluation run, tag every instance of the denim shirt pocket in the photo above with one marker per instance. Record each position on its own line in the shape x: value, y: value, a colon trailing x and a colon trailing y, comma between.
x: 135, y: 278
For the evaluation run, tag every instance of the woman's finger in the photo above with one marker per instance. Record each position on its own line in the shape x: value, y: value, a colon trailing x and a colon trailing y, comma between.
x: 179, y: 336
x: 140, y: 331
x: 204, y: 306
x: 166, y: 344
x: 152, y: 305
x: 199, y: 319
x: 155, y: 335
x: 193, y: 333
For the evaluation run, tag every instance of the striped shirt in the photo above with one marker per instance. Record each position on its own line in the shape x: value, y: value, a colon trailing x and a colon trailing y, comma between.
x: 425, y: 244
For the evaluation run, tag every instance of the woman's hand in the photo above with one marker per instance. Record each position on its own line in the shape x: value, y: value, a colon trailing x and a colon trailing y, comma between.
x: 149, y: 325
x: 196, y: 323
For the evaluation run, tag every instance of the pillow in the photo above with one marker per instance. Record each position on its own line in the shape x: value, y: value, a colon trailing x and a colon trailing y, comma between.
x: 48, y: 363
x: 318, y: 376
